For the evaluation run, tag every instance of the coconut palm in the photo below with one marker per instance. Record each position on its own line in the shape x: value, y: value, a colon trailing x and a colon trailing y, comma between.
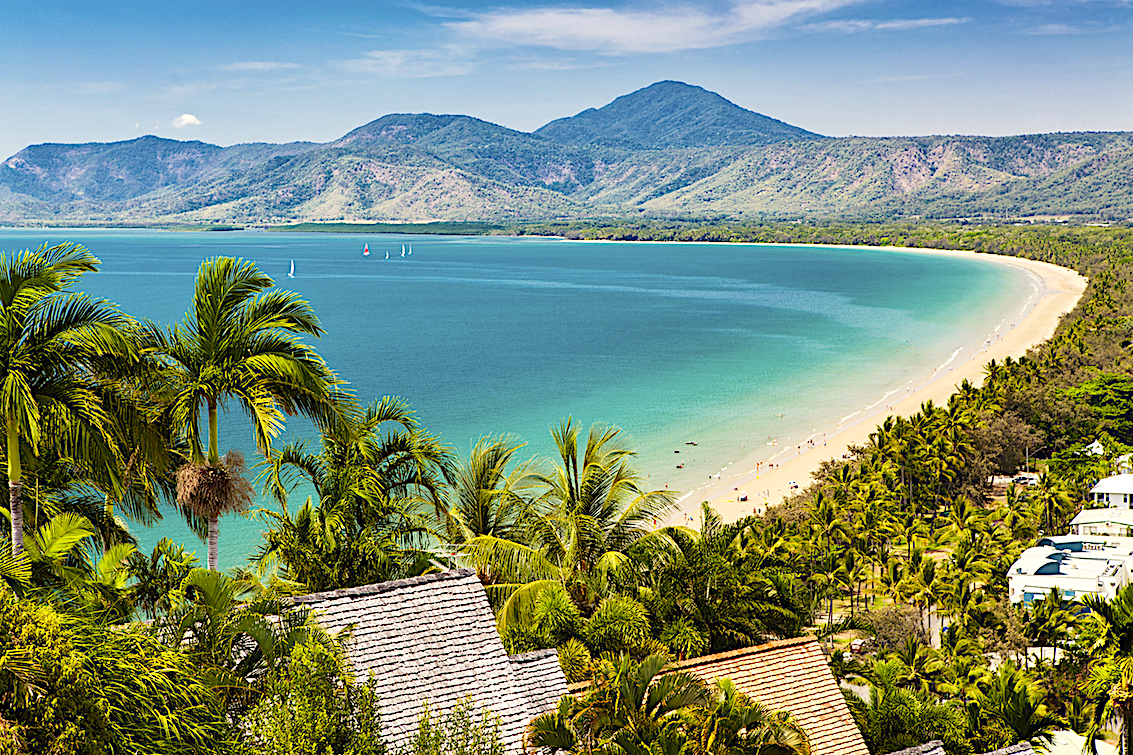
x: 373, y: 486
x: 53, y: 341
x: 485, y: 497
x: 239, y: 341
x: 1107, y: 633
x: 595, y: 515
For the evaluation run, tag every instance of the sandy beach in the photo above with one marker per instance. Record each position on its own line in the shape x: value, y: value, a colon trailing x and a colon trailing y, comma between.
x: 1057, y: 291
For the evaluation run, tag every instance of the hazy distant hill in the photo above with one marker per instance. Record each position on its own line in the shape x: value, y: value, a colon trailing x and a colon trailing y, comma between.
x: 668, y: 150
x: 120, y: 170
x: 670, y: 114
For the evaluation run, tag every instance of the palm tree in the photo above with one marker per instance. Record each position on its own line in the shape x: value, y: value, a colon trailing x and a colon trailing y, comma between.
x: 239, y: 341
x: 1107, y: 634
x: 373, y: 485
x: 597, y: 515
x: 1014, y: 702
x: 485, y: 497
x: 54, y: 341
x: 648, y: 708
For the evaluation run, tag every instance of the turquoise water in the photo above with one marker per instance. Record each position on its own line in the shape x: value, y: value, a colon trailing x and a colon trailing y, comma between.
x: 726, y: 345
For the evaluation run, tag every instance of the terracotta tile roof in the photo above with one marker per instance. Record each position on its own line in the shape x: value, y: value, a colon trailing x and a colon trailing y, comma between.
x: 790, y: 675
x: 435, y: 636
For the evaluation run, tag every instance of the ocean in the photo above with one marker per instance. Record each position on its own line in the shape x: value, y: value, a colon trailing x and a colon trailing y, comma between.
x: 730, y: 346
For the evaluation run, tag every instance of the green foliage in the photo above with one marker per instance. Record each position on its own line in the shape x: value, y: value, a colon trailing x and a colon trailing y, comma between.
x: 458, y: 732
x: 234, y: 633
x: 648, y: 707
x: 375, y: 475
x: 158, y: 575
x: 68, y: 686
x: 1111, y: 396
x: 895, y: 718
x: 312, y: 706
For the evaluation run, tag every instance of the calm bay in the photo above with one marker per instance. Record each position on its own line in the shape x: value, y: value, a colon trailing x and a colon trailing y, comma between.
x: 730, y: 346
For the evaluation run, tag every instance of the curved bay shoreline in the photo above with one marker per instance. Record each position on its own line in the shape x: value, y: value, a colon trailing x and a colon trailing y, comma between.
x: 1059, y: 292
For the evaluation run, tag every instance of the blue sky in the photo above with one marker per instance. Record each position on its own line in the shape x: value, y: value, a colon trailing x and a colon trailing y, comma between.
x: 229, y: 72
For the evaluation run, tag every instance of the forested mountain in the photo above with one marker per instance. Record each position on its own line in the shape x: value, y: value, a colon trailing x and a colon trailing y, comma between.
x: 667, y: 150
x: 670, y: 114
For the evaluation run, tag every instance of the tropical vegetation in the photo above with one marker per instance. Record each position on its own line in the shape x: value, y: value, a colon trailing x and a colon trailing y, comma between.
x: 903, y: 544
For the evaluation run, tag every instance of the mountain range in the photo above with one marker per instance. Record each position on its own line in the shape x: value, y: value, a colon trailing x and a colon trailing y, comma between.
x: 668, y: 150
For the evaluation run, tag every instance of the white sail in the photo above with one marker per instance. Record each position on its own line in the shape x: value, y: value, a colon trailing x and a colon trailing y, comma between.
x: 292, y: 273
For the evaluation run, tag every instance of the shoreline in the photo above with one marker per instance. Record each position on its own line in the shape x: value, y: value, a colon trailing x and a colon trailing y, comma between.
x: 1058, y: 290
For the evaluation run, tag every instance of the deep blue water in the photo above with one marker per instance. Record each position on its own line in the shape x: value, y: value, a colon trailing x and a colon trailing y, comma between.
x: 723, y: 344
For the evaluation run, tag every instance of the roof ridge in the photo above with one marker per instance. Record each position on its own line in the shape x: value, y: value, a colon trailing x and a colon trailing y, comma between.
x: 381, y: 587
x: 532, y: 655
x: 751, y: 650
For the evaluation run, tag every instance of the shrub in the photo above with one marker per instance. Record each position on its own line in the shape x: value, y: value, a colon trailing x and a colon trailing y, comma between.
x: 313, y: 707
x: 460, y: 732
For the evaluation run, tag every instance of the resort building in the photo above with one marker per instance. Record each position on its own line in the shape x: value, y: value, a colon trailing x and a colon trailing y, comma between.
x: 1076, y: 566
x: 434, y: 638
x: 1094, y: 558
x: 1116, y: 491
x: 1107, y: 523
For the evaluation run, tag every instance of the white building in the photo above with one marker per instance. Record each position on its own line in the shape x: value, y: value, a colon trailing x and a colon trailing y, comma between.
x: 1095, y: 557
x: 1108, y: 523
x: 1116, y: 491
x: 1077, y: 567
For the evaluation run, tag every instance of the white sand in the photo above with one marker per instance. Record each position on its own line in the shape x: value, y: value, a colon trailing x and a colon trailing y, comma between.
x: 1060, y: 290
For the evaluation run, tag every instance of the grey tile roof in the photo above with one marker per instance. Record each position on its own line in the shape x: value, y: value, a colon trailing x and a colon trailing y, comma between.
x: 435, y: 637
x: 1022, y: 748
x: 935, y: 747
x: 542, y: 677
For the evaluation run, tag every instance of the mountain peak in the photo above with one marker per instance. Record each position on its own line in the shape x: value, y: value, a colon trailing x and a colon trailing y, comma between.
x: 670, y: 114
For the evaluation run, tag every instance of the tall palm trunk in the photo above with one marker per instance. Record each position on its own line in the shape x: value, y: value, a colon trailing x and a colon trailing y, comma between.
x: 15, y: 489
x: 214, y: 537
x: 213, y: 460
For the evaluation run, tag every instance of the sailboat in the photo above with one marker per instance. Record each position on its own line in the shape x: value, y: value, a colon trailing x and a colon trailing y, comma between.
x: 387, y: 255
x: 403, y: 250
x: 411, y: 249
x: 366, y: 251
x: 291, y: 274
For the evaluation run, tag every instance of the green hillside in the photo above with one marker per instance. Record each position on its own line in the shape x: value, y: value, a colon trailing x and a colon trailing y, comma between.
x: 670, y: 114
x: 667, y: 151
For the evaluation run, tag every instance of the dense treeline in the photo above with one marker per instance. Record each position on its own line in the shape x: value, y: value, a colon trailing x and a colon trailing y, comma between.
x: 902, y: 542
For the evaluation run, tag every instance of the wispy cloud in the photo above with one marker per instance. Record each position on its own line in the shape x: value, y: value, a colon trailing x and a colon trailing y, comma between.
x: 856, y: 25
x: 665, y: 29
x: 259, y: 65
x: 186, y: 119
x: 449, y: 61
x: 1058, y: 29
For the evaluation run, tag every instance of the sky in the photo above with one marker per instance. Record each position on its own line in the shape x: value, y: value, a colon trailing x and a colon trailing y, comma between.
x: 280, y: 71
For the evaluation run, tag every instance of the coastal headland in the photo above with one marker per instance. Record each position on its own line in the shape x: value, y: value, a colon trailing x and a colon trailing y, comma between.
x: 770, y: 474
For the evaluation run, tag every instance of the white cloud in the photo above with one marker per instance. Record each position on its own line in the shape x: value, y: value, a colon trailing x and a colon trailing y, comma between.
x: 412, y: 63
x: 186, y: 119
x: 666, y: 29
x: 259, y: 65
x: 854, y: 25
